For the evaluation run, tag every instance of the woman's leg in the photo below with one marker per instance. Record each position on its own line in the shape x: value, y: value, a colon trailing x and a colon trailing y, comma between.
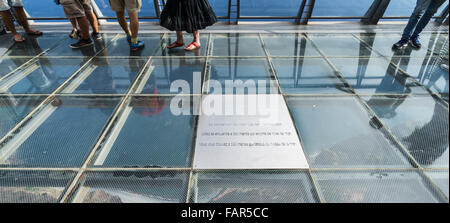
x: 179, y: 42
x: 196, y: 42
x: 197, y: 37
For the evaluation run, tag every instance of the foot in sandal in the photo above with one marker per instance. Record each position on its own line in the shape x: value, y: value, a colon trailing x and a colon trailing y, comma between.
x: 34, y: 32
x: 192, y: 46
x: 18, y: 38
x: 175, y: 45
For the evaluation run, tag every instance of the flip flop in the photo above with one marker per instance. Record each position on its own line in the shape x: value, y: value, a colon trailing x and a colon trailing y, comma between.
x: 35, y: 33
x: 19, y: 41
x: 175, y: 45
x: 196, y: 46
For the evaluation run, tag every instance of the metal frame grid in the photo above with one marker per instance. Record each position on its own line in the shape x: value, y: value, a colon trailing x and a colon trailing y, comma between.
x: 133, y: 91
x: 374, y: 13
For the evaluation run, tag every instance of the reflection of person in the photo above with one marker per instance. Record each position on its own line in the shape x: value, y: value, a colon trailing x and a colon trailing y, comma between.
x: 421, y: 16
x: 133, y: 7
x: 189, y: 16
x: 17, y: 5
x: 82, y: 11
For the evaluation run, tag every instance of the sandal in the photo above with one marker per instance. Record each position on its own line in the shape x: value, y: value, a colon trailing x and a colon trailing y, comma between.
x: 35, y: 33
x: 21, y: 40
x: 175, y: 45
x: 190, y: 48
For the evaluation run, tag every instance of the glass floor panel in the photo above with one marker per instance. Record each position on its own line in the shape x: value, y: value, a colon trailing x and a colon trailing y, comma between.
x: 63, y: 48
x: 179, y: 51
x: 60, y: 135
x: 420, y: 123
x: 33, y: 186
x: 9, y: 64
x: 382, y: 43
x: 340, y: 45
x: 289, y: 45
x: 440, y: 178
x: 35, y: 45
x: 121, y: 47
x: 378, y: 186
x: 150, y: 125
x: 338, y: 133
x: 109, y: 76
x: 240, y: 76
x: 133, y: 187
x: 237, y: 45
x: 172, y: 72
x: 308, y: 75
x: 13, y: 109
x: 42, y: 76
x: 375, y: 76
x: 253, y: 187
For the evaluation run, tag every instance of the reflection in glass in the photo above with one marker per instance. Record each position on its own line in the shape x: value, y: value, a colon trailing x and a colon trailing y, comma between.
x: 145, y: 135
x: 133, y: 187
x: 121, y: 47
x: 180, y: 51
x: 237, y: 45
x: 440, y: 178
x: 35, y: 45
x: 241, y: 76
x: 420, y: 123
x: 378, y: 186
x: 340, y: 45
x: 9, y: 64
x: 33, y: 186
x: 308, y: 75
x: 64, y: 49
x: 169, y: 71
x: 289, y: 45
x: 42, y: 76
x: 60, y: 135
x: 14, y: 109
x: 338, y: 132
x: 375, y: 75
x: 110, y: 76
x: 253, y: 187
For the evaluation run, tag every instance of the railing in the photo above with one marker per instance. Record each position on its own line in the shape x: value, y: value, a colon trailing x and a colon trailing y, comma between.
x: 375, y: 13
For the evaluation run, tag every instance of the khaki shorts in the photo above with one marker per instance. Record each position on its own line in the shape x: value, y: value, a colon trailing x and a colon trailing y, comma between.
x: 132, y: 6
x: 76, y: 8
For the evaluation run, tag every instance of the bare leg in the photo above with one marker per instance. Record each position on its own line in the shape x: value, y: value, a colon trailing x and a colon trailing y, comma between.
x: 24, y: 21
x: 196, y: 41
x: 179, y: 42
x: 93, y: 21
x: 6, y: 15
x: 123, y: 22
x: 74, y: 23
x: 84, y: 27
x: 134, y: 25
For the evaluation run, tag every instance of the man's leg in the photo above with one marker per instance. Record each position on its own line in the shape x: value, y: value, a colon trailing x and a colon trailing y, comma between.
x: 6, y: 16
x: 84, y: 27
x: 134, y: 25
x: 430, y: 11
x: 123, y: 22
x: 24, y: 21
x: 421, y: 5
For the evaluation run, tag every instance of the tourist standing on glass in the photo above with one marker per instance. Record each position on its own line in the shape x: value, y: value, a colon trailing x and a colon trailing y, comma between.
x: 22, y: 17
x: 189, y: 16
x: 421, y: 16
x: 82, y: 11
x: 133, y: 7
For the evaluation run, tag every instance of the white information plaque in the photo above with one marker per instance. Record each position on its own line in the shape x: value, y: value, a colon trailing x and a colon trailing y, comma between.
x: 247, y: 132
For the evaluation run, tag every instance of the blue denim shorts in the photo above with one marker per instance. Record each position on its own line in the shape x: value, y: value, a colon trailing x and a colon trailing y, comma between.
x: 4, y: 5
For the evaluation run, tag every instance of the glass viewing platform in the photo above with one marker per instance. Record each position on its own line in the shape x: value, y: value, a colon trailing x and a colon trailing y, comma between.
x: 356, y: 120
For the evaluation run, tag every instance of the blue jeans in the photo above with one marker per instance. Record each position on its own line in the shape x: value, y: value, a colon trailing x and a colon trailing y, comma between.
x: 421, y: 16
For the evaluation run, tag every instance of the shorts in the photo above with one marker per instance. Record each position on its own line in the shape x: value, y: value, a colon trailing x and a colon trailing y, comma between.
x: 132, y: 6
x: 76, y: 8
x: 4, y: 6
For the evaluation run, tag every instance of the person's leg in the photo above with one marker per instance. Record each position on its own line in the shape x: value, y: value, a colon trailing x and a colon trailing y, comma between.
x: 84, y: 27
x: 430, y: 11
x: 74, y: 23
x: 196, y: 42
x: 23, y: 20
x: 6, y: 16
x: 123, y: 22
x: 421, y: 5
x: 179, y: 42
x: 134, y: 25
x: 93, y: 21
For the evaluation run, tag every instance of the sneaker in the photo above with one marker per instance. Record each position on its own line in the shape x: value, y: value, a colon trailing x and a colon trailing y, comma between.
x: 129, y: 39
x: 82, y: 43
x: 136, y: 46
x: 414, y: 41
x: 400, y: 44
x: 96, y: 36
